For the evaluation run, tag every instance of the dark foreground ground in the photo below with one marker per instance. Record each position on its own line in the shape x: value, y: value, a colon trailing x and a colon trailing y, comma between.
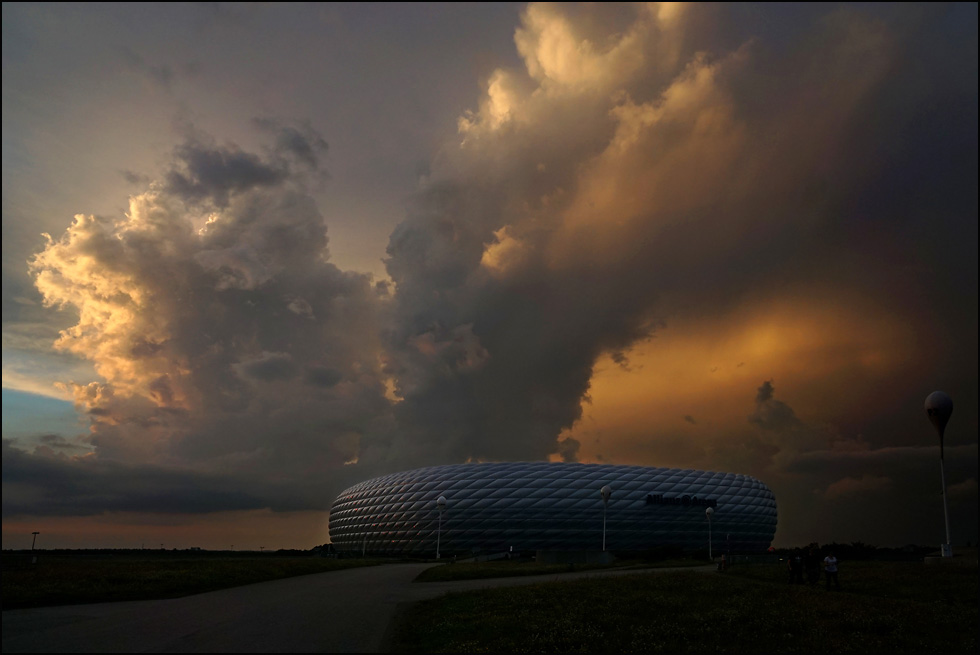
x: 49, y: 578
x: 344, y: 611
x: 894, y: 607
x: 900, y: 607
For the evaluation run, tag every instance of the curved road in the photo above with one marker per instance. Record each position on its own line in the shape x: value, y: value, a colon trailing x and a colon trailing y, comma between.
x: 344, y: 611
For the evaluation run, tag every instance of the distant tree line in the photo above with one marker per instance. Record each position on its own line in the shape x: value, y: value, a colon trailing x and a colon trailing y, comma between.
x: 858, y: 550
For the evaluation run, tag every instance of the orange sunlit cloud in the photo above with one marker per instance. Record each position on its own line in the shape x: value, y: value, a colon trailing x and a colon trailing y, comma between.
x: 698, y: 377
x: 696, y: 235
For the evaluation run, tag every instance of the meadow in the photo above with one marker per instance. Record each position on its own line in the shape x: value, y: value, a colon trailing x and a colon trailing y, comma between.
x: 508, y: 569
x: 66, y: 578
x: 882, y: 607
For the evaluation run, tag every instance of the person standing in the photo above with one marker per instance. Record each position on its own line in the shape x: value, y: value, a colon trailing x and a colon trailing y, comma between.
x: 796, y: 568
x: 812, y: 566
x: 830, y: 570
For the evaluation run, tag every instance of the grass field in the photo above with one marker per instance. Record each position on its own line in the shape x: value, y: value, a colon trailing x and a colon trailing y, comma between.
x: 66, y: 580
x: 882, y: 607
x: 901, y: 607
x: 506, y: 569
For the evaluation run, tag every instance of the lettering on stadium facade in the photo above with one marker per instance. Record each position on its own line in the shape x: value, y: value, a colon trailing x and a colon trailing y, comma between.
x: 688, y: 501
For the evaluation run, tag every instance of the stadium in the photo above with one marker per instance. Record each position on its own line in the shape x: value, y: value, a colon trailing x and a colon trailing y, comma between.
x: 531, y: 506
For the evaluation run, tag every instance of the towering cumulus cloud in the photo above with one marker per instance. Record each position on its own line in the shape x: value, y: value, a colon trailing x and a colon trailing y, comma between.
x: 650, y: 163
x: 794, y: 187
x: 228, y: 343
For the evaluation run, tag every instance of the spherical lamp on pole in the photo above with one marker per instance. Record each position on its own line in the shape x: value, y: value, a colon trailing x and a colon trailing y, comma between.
x: 939, y: 407
x: 441, y: 504
x: 605, y: 492
x: 708, y: 512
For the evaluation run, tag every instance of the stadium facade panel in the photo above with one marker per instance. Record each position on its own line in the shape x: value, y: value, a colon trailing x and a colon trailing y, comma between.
x: 551, y: 506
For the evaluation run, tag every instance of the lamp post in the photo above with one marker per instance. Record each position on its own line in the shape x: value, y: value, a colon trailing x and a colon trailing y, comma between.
x: 939, y: 407
x: 441, y: 504
x: 708, y: 512
x: 605, y: 492
x: 34, y: 541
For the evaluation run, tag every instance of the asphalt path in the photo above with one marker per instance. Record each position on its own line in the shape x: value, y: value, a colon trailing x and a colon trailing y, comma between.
x: 346, y: 611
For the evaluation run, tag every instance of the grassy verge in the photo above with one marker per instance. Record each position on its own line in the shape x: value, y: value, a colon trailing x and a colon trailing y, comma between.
x: 68, y: 580
x: 912, y: 581
x: 894, y: 608
x: 507, y: 569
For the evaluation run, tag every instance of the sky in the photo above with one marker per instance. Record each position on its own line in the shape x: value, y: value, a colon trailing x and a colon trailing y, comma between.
x: 256, y: 253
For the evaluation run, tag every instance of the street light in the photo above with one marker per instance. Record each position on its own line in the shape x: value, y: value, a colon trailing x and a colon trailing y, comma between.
x: 441, y: 504
x: 605, y: 492
x: 33, y: 541
x: 708, y: 512
x: 939, y: 407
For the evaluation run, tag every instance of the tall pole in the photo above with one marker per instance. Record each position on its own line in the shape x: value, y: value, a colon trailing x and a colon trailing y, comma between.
x: 948, y: 546
x: 441, y: 504
x: 939, y: 407
x: 708, y: 512
x: 603, y: 527
x: 33, y: 541
x: 605, y: 492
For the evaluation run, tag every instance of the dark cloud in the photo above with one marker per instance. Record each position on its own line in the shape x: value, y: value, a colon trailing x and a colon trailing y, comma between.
x: 39, y: 485
x: 621, y: 358
x: 322, y: 376
x: 772, y: 414
x: 303, y: 142
x: 134, y: 178
x: 270, y: 367
x: 854, y: 462
x: 206, y: 172
x: 568, y: 449
x: 55, y: 445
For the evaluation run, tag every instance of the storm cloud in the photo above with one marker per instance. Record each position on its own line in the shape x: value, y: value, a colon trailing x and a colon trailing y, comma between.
x: 228, y: 345
x: 634, y: 174
x: 656, y: 214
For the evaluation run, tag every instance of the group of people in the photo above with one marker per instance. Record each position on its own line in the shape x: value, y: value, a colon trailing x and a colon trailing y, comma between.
x: 810, y: 565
